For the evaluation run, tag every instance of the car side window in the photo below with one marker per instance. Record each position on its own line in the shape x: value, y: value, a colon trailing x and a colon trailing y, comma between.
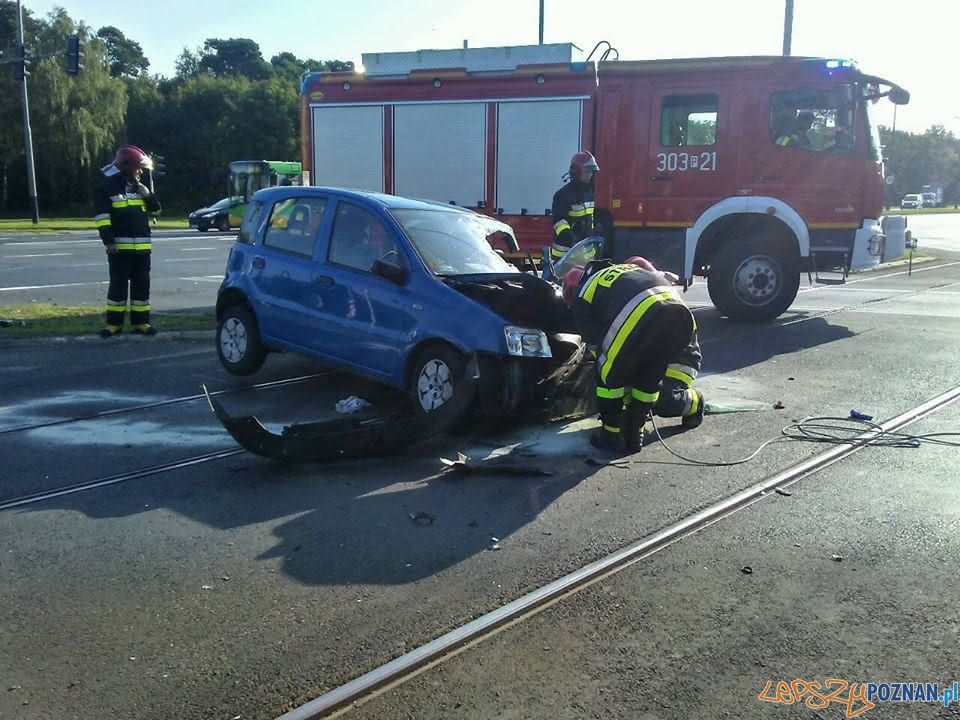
x: 689, y: 120
x: 359, y: 239
x: 251, y: 221
x: 294, y: 223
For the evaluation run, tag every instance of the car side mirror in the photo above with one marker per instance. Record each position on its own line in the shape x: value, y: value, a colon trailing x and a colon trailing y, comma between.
x: 395, y: 274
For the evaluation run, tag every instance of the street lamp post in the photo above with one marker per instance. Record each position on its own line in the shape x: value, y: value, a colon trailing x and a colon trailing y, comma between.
x: 787, y: 27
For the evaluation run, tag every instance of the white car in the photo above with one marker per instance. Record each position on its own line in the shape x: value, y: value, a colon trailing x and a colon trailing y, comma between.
x: 914, y: 201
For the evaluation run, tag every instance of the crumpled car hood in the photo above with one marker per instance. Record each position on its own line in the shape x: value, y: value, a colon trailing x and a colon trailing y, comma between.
x: 519, y: 298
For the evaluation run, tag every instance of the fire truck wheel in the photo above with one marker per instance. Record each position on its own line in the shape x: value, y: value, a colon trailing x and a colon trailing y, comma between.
x: 754, y: 279
x: 238, y: 341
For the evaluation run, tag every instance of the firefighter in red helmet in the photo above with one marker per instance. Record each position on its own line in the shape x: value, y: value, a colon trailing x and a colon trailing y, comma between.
x: 573, y: 205
x: 640, y: 332
x: 122, y: 204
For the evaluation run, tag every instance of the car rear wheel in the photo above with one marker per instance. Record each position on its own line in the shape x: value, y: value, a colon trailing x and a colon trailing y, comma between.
x: 223, y: 223
x: 754, y: 279
x: 438, y: 387
x: 239, y: 346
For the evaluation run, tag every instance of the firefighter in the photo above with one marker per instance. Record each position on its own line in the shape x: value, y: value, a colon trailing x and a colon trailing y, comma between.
x: 573, y: 205
x: 121, y: 207
x: 678, y: 398
x: 636, y: 325
x: 796, y: 135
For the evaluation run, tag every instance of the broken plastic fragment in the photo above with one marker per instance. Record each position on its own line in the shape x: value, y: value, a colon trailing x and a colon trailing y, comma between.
x: 857, y: 415
x: 836, y: 558
x: 351, y: 404
x: 422, y: 518
x: 746, y: 570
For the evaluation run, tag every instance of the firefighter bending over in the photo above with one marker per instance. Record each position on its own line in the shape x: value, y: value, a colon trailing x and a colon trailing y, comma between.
x: 644, y: 341
x: 121, y: 207
x: 573, y: 205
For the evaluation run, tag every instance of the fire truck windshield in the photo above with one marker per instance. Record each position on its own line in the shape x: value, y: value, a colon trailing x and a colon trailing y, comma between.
x: 820, y: 120
x: 454, y: 243
x: 873, y: 127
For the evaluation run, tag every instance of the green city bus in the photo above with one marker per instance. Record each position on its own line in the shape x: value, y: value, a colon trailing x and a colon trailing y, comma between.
x: 248, y: 176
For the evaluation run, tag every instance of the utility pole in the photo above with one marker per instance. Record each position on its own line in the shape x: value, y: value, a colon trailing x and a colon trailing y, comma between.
x: 27, y: 134
x: 787, y: 27
x: 541, y: 21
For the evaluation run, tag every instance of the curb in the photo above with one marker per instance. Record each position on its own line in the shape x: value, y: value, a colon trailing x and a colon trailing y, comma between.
x: 173, y: 336
x: 917, y: 260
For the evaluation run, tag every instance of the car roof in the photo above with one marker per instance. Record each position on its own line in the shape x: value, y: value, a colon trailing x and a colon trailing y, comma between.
x: 390, y: 202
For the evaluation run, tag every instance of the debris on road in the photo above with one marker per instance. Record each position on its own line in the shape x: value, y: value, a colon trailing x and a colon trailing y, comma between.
x: 422, y: 518
x: 836, y: 558
x: 780, y: 491
x: 206, y: 587
x: 351, y: 404
x: 857, y: 415
x: 495, y: 547
x: 493, y: 467
x: 778, y: 405
x: 746, y: 570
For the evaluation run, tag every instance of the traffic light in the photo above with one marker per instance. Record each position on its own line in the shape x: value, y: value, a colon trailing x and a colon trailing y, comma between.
x: 21, y: 63
x: 74, y: 55
x: 159, y: 168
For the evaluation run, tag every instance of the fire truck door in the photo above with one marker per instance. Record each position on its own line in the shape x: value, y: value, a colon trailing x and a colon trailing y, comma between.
x: 692, y: 151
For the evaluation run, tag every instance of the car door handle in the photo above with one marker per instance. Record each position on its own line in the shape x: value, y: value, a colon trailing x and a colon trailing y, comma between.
x: 660, y: 178
x: 259, y: 262
x: 324, y: 280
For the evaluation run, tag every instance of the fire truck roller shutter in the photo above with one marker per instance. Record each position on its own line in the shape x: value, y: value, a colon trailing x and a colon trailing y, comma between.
x: 535, y: 141
x: 348, y: 147
x: 440, y: 151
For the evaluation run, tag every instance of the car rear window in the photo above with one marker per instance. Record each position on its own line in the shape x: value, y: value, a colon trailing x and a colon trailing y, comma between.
x: 294, y: 223
x: 251, y: 221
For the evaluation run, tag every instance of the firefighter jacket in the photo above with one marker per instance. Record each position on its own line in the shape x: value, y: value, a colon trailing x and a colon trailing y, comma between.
x: 613, y: 297
x: 572, y: 216
x: 121, y: 214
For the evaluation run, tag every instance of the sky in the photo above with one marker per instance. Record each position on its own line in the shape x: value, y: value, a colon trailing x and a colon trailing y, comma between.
x: 899, y: 40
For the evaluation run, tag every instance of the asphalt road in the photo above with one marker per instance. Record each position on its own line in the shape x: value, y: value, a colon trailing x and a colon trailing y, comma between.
x: 238, y: 587
x: 71, y: 268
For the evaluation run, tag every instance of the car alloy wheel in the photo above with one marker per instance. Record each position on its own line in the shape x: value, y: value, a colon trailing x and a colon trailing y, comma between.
x: 434, y: 385
x: 233, y: 340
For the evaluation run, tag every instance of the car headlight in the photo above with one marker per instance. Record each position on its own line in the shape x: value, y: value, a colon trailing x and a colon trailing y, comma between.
x: 524, y: 342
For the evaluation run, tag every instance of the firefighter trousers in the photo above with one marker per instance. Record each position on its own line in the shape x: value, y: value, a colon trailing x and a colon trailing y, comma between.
x: 637, y: 370
x: 129, y: 268
x: 677, y: 399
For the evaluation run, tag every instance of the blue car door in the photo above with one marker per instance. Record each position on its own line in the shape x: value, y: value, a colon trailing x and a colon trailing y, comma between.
x: 281, y: 269
x: 367, y: 320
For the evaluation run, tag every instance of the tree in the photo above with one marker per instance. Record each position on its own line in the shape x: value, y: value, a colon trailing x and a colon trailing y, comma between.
x: 232, y: 57
x: 187, y: 63
x: 125, y: 56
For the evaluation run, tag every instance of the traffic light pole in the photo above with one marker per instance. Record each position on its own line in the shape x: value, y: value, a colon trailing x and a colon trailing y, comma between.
x: 27, y: 133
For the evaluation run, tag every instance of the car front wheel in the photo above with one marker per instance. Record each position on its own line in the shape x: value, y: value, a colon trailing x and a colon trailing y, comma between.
x: 223, y: 223
x: 239, y: 346
x: 438, y: 388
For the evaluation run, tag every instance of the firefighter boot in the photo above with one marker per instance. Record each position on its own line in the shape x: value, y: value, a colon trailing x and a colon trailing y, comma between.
x: 604, y: 439
x: 635, y: 417
x: 145, y: 329
x: 110, y: 330
x: 695, y: 417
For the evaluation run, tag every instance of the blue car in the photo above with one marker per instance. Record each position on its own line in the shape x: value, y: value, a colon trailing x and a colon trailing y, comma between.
x: 405, y: 292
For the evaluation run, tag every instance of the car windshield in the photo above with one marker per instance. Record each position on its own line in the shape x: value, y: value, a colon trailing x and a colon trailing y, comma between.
x: 220, y: 204
x: 455, y: 243
x: 912, y: 197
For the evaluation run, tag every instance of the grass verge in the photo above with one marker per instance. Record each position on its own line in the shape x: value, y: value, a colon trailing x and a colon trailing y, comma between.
x: 53, y: 224
x: 49, y: 320
x: 922, y: 211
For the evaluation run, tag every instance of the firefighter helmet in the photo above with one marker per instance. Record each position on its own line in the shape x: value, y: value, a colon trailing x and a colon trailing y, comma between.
x: 130, y: 158
x: 641, y: 262
x: 583, y: 160
x: 571, y: 283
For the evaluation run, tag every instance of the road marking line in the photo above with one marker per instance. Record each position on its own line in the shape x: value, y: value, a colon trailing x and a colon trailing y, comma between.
x: 197, y: 249
x: 58, y: 285
x: 11, y: 257
x: 203, y: 278
x: 885, y: 275
x: 189, y: 259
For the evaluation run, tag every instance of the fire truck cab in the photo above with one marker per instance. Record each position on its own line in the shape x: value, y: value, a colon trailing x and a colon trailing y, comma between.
x: 745, y: 170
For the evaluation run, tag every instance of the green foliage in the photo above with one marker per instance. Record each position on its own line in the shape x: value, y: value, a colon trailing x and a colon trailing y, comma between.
x: 917, y: 159
x: 124, y: 55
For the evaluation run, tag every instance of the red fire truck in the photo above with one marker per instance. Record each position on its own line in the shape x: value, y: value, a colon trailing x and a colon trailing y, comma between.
x: 746, y: 170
